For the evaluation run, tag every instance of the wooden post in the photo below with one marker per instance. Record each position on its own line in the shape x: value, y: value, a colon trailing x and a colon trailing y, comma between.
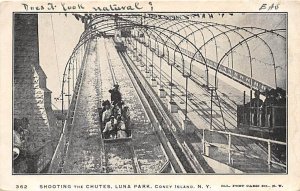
x: 273, y: 117
x: 244, y: 105
x: 211, y: 108
x: 269, y: 154
x: 250, y: 109
x: 229, y: 149
x: 203, y: 142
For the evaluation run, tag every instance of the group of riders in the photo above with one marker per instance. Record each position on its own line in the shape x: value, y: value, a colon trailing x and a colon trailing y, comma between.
x: 114, y: 116
x: 261, y: 110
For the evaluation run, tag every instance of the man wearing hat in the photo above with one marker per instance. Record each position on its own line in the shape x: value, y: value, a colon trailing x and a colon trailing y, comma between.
x: 115, y: 95
x: 256, y: 105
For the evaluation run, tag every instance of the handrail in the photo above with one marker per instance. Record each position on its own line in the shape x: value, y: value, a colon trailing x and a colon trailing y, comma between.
x: 248, y: 137
x: 230, y: 134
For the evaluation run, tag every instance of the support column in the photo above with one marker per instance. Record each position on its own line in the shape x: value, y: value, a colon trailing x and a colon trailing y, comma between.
x: 187, y: 125
x: 162, y: 92
x: 153, y: 80
x: 173, y: 107
x: 146, y: 60
x: 211, y: 108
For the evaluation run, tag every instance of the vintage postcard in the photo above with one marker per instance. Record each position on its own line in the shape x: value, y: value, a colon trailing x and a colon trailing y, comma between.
x: 149, y: 95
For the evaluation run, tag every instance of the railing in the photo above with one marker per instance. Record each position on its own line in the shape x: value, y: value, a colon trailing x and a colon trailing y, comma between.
x: 267, y: 118
x: 57, y: 161
x: 230, y: 149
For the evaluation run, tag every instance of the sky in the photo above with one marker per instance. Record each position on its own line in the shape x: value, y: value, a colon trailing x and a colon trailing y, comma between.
x: 56, y: 45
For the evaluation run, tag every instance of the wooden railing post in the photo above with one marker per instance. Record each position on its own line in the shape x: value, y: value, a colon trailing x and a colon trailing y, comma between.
x: 203, y: 142
x: 269, y: 153
x: 229, y: 148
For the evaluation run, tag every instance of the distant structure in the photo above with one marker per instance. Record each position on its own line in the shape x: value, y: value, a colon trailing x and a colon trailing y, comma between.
x: 32, y: 98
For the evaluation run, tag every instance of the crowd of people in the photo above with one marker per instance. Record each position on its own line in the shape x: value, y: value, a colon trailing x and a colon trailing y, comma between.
x: 115, y: 116
x: 261, y: 110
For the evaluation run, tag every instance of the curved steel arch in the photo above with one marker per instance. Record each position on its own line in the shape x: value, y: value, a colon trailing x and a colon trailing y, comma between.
x: 176, y: 23
x: 178, y: 29
x: 250, y: 56
x: 200, y: 29
x: 224, y: 32
x: 243, y: 28
x: 229, y: 25
x: 142, y: 26
x: 194, y: 35
x: 88, y: 31
x: 158, y: 21
x: 184, y: 38
x: 207, y: 27
x: 165, y: 23
x: 189, y: 28
x: 172, y: 32
x: 156, y: 42
x: 107, y: 25
x: 240, y: 44
x: 204, y: 42
x: 249, y: 51
x: 213, y: 37
x: 168, y: 38
x: 68, y: 65
x: 270, y: 50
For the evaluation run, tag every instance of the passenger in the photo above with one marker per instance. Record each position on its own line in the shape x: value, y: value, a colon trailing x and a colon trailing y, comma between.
x: 116, y: 110
x: 115, y: 96
x: 121, y: 128
x: 255, y: 106
x: 266, y: 108
x: 256, y: 101
x: 109, y: 130
x: 280, y: 97
x: 107, y: 112
x: 126, y: 116
x: 274, y: 97
x: 102, y: 109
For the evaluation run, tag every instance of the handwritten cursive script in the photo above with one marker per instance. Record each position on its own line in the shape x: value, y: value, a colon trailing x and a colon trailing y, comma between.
x: 67, y: 6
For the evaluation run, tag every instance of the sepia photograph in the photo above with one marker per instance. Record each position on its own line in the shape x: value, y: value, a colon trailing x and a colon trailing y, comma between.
x: 149, y: 93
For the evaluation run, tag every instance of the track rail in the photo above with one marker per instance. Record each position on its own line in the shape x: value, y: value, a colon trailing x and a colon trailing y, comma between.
x: 179, y: 158
x: 114, y: 152
x: 110, y: 65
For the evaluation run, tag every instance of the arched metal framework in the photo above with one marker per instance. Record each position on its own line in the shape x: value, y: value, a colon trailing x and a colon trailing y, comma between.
x: 227, y: 29
x: 197, y: 43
